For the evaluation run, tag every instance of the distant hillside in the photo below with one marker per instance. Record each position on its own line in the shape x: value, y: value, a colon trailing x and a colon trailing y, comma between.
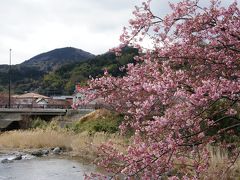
x: 56, y: 58
x: 57, y: 71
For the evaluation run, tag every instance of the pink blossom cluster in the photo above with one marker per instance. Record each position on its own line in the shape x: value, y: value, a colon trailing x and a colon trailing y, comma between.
x: 169, y: 96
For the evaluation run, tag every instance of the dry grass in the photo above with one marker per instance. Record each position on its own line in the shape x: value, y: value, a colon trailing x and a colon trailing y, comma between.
x: 100, y: 113
x: 35, y: 139
x: 219, y: 165
x: 82, y: 143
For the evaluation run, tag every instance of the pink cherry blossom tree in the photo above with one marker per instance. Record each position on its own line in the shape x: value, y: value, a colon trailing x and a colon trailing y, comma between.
x: 181, y: 95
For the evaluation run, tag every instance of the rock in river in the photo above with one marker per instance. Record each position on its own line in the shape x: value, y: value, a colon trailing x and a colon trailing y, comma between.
x: 56, y: 150
x: 17, y: 157
x: 45, y: 151
x: 37, y: 153
x: 6, y: 160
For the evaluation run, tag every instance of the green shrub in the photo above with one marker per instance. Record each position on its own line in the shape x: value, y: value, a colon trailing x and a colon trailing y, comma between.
x: 223, y: 121
x: 106, y: 122
x: 39, y: 123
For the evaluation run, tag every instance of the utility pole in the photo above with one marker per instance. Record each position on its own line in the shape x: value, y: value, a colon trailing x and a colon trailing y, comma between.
x: 9, y: 76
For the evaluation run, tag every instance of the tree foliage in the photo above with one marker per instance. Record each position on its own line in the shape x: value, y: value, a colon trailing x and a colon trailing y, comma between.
x: 182, y: 95
x: 23, y: 78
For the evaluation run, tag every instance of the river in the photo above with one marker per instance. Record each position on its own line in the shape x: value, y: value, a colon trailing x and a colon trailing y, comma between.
x: 44, y: 168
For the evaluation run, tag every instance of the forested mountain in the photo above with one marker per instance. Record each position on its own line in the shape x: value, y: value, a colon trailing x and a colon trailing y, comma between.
x: 57, y: 72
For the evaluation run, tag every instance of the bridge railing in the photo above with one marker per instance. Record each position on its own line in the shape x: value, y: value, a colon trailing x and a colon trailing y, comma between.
x: 32, y: 106
x: 21, y: 106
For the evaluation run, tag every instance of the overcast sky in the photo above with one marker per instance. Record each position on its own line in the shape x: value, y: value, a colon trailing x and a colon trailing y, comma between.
x: 30, y: 27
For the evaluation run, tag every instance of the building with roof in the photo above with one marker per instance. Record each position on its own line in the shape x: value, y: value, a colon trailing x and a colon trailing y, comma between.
x: 79, y: 95
x: 30, y: 100
x: 34, y: 100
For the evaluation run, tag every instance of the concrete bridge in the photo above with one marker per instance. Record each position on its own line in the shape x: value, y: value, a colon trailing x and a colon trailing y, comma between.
x: 9, y: 116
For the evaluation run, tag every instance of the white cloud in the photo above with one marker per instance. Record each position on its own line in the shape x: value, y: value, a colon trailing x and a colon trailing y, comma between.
x: 31, y: 27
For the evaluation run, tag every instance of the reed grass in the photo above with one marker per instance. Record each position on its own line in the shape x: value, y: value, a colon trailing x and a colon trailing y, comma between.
x: 82, y: 143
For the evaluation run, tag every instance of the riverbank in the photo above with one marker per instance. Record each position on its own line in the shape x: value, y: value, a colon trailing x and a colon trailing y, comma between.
x: 82, y: 144
x: 40, y: 145
x: 81, y: 141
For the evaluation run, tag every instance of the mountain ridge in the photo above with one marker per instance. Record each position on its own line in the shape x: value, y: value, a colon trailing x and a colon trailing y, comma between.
x: 55, y: 58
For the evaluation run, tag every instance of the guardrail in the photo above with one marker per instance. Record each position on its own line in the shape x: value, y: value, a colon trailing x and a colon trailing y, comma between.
x: 34, y: 111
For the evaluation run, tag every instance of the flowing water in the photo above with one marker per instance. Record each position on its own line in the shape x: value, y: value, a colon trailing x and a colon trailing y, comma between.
x: 45, y: 168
